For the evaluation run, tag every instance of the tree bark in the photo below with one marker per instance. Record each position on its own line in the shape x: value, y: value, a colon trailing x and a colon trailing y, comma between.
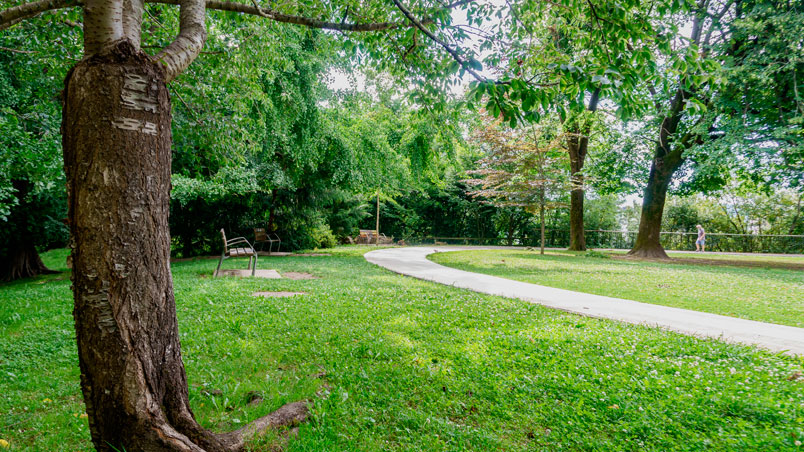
x: 22, y: 261
x: 577, y: 156
x: 117, y: 153
x: 377, y: 226
x: 541, y: 221
x: 578, y: 145
x: 647, y: 244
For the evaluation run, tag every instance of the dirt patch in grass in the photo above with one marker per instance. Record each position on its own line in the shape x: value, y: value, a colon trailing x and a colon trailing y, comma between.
x: 298, y: 275
x: 277, y: 294
x: 718, y: 262
x: 269, y: 274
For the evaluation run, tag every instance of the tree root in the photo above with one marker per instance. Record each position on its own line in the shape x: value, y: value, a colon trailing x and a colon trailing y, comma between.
x: 651, y: 253
x: 289, y: 415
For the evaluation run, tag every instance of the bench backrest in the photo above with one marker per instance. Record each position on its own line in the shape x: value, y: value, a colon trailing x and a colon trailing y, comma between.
x: 368, y: 232
x: 260, y: 235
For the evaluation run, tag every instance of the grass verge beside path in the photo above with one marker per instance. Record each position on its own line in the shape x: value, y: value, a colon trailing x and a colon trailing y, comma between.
x: 410, y: 366
x: 764, y: 294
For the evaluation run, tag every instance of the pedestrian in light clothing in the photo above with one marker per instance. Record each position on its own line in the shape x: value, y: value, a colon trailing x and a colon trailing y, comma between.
x: 700, y: 244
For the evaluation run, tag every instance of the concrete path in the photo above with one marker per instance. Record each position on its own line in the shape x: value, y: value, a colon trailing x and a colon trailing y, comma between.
x: 412, y: 261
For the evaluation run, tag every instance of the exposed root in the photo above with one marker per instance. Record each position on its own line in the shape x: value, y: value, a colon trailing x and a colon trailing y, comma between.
x: 652, y: 253
x: 288, y: 415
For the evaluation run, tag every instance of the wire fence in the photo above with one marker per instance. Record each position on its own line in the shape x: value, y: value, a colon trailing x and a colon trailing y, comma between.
x: 558, y: 238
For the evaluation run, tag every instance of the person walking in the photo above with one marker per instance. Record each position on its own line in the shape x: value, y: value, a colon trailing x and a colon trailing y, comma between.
x: 700, y: 244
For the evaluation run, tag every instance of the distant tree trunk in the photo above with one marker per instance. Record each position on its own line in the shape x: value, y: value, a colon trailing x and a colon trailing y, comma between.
x: 509, y: 236
x: 23, y: 260
x: 272, y: 213
x: 377, y: 225
x: 648, y: 243
x: 117, y: 144
x: 578, y: 145
x: 541, y: 220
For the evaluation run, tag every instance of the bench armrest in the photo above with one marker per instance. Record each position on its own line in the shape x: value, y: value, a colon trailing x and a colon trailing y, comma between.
x: 238, y: 240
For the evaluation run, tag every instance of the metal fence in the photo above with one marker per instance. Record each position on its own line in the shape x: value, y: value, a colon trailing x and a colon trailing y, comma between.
x: 738, y: 243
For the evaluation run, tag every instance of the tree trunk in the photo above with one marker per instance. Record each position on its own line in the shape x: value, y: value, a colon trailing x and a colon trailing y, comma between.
x: 272, y: 213
x: 23, y: 261
x: 117, y: 144
x: 377, y: 226
x: 648, y: 243
x: 578, y: 145
x: 541, y: 222
x: 577, y: 237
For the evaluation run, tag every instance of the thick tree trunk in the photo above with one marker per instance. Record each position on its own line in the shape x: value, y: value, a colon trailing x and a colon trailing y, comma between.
x: 22, y: 261
x: 577, y: 157
x: 578, y: 146
x: 117, y: 144
x: 647, y: 244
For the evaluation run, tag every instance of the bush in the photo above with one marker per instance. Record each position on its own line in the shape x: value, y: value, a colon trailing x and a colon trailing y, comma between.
x: 324, y: 237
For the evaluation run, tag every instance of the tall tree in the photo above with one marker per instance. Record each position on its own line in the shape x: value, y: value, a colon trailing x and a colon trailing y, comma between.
x: 681, y: 100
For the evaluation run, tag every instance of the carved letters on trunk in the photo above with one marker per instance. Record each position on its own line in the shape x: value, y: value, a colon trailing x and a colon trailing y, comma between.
x: 138, y: 93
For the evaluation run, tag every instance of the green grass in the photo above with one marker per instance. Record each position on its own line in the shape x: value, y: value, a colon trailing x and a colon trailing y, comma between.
x: 765, y: 294
x: 759, y: 258
x: 410, y: 366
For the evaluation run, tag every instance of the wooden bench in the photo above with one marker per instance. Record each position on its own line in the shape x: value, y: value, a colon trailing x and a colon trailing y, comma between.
x: 263, y: 237
x: 230, y: 250
x: 369, y: 236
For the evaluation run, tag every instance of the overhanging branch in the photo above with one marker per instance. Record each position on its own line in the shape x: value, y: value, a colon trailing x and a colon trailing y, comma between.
x: 290, y: 19
x: 17, y: 13
x: 450, y: 49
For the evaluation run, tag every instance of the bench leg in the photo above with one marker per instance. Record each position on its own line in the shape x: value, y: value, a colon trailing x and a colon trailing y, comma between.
x: 254, y: 268
x: 217, y: 270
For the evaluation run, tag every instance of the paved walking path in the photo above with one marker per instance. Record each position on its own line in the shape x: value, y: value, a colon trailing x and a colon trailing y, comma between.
x: 412, y: 261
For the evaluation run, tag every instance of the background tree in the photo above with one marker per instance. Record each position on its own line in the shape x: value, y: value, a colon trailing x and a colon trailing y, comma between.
x: 522, y: 168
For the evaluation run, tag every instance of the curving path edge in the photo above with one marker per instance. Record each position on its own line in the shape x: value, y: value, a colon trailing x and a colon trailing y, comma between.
x: 412, y: 261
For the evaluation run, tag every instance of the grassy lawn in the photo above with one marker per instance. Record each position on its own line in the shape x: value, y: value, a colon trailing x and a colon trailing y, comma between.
x: 766, y: 294
x: 414, y: 366
x: 739, y: 258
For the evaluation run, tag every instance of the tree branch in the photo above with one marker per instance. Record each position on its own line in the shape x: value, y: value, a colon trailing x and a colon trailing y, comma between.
x: 289, y: 19
x: 189, y: 42
x: 453, y: 53
x: 13, y: 15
